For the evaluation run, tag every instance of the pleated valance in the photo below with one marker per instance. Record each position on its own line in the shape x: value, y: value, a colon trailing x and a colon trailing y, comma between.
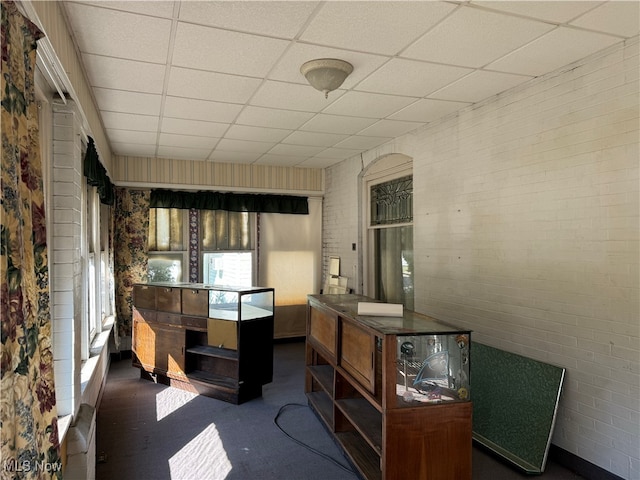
x: 232, y: 202
x: 97, y: 175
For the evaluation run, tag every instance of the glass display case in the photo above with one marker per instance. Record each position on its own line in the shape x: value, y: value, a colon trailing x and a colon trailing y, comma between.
x: 432, y: 368
x: 240, y: 304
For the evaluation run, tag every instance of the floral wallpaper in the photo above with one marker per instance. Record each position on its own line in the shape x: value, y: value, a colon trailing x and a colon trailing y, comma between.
x: 131, y: 251
x: 28, y: 414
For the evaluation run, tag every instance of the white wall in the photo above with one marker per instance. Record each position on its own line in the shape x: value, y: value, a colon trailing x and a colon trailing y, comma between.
x: 526, y: 231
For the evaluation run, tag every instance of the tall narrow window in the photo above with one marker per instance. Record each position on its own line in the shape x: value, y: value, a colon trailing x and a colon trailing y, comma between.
x: 391, y: 239
x: 167, y: 248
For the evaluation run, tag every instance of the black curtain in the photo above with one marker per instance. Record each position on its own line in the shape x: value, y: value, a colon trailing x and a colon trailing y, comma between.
x: 97, y: 175
x: 232, y: 202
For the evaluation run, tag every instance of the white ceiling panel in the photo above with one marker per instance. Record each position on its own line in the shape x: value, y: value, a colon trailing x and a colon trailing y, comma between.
x: 190, y: 83
x: 224, y: 51
x: 193, y: 127
x: 189, y: 108
x: 409, y: 77
x: 120, y: 74
x: 112, y: 33
x: 220, y: 80
x: 127, y: 102
x: 365, y: 26
x: 337, y: 124
x: 480, y: 37
x: 569, y: 45
x: 478, y: 86
x: 427, y: 110
x: 130, y: 121
x: 282, y: 19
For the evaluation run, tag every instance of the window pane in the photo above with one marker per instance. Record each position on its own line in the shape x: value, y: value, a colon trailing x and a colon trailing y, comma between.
x: 392, y: 201
x: 167, y: 267
x: 176, y: 242
x: 394, y: 265
x: 228, y: 268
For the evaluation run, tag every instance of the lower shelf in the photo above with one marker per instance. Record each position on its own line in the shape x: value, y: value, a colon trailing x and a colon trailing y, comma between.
x: 219, y: 380
x: 322, y: 404
x: 360, y: 454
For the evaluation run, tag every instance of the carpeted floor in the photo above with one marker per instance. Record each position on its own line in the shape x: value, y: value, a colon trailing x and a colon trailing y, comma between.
x: 150, y: 431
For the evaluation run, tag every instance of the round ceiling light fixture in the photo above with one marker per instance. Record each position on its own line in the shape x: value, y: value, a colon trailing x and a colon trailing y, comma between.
x: 326, y: 74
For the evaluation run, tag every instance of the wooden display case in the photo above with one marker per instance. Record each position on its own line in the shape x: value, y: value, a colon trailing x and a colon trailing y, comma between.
x: 394, y: 391
x: 214, y: 341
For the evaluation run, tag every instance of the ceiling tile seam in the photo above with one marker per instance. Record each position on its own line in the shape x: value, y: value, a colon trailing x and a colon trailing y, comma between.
x: 167, y: 70
x: 107, y: 6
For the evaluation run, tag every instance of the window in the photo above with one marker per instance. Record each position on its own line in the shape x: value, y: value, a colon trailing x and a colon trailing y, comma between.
x: 219, y: 250
x: 391, y: 239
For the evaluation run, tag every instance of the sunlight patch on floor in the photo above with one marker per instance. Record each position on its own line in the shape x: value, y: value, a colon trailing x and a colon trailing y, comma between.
x: 203, y: 457
x: 170, y: 400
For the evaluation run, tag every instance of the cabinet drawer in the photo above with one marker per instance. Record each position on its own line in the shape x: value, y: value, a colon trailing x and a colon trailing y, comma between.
x: 322, y: 330
x: 168, y: 299
x: 170, y: 318
x: 144, y: 296
x: 195, y: 302
x: 194, y: 322
x: 142, y: 314
x: 357, y: 348
x: 222, y: 333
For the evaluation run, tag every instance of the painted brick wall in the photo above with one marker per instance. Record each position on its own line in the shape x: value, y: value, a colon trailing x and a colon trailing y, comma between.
x: 66, y: 283
x: 526, y: 231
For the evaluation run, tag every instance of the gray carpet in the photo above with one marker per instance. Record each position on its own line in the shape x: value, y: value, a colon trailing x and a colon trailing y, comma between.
x: 150, y: 431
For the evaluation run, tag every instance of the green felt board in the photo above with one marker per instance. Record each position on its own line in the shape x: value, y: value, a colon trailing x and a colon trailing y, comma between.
x: 515, y: 400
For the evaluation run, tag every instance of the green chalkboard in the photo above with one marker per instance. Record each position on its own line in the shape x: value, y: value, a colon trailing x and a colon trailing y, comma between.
x: 515, y: 400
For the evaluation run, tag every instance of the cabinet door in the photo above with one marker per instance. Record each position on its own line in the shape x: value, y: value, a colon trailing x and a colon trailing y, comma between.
x: 322, y: 331
x: 357, y: 354
x: 170, y: 350
x: 143, y: 341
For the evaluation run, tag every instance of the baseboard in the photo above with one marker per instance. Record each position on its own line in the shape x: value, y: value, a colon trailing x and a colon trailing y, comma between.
x: 579, y: 465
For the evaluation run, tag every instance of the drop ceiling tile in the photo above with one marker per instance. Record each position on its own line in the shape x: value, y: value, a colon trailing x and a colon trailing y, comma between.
x: 280, y: 160
x: 230, y: 145
x: 119, y: 74
x: 553, y: 50
x: 260, y: 134
x: 313, y: 138
x: 390, y: 128
x: 271, y: 117
x: 193, y: 127
x: 337, y: 153
x: 427, y: 110
x: 234, y: 157
x: 616, y: 18
x: 133, y: 149
x: 357, y: 143
x: 358, y: 25
x: 275, y: 18
x: 187, y: 141
x: 478, y: 86
x: 556, y: 12
x: 371, y: 105
x: 130, y: 121
x: 295, y: 150
x: 337, y: 124
x: 472, y: 37
x: 225, y: 51
x: 132, y: 136
x: 288, y: 67
x: 118, y: 34
x: 197, y: 84
x: 410, y: 77
x: 181, y: 153
x: 292, y: 97
x: 127, y: 102
x: 318, y: 162
x: 177, y: 107
x: 157, y: 8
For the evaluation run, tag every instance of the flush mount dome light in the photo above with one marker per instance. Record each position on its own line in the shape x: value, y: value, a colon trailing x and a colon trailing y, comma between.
x: 326, y: 74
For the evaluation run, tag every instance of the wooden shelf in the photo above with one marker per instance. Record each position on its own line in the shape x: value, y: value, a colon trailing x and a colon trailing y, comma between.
x: 361, y: 455
x: 213, y: 352
x: 324, y: 376
x: 202, y: 376
x: 366, y: 419
x: 323, y: 405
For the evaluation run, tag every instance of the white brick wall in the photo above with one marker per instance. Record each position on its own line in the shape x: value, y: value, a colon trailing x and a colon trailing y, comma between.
x: 66, y: 282
x: 526, y: 231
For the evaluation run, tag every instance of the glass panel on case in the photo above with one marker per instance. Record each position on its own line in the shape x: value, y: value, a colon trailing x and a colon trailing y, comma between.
x: 257, y: 305
x: 432, y: 368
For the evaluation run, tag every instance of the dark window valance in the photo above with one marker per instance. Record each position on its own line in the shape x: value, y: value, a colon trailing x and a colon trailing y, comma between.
x: 97, y: 175
x: 232, y: 202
